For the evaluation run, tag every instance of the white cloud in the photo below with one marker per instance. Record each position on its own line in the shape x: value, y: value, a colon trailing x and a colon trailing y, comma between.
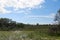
x: 2, y: 10
x: 16, y: 4
x: 23, y: 11
x: 52, y: 15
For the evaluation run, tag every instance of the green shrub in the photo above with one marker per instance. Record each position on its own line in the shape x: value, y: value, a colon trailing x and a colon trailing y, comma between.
x: 54, y: 30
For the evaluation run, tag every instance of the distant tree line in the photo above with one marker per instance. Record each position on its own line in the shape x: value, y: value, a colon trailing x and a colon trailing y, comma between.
x: 10, y: 25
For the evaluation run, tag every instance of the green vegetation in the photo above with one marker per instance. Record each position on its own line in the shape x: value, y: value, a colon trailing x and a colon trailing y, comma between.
x: 27, y: 32
x: 26, y: 35
x: 12, y: 30
x: 56, y: 29
x: 8, y: 25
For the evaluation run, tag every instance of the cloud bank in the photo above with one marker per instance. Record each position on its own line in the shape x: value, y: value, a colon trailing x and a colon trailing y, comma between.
x: 52, y: 15
x: 19, y: 4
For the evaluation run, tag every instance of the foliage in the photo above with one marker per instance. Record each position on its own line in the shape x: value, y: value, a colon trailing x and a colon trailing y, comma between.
x: 57, y: 17
x: 7, y: 24
x: 55, y: 30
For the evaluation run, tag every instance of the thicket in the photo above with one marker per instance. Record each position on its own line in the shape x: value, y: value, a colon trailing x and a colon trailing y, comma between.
x: 8, y: 24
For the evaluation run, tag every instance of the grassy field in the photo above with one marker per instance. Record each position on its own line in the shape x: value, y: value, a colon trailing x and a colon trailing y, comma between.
x: 25, y: 35
x: 39, y: 33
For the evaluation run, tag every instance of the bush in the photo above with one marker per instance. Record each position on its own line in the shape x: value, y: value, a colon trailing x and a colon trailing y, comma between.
x: 20, y: 25
x: 54, y: 30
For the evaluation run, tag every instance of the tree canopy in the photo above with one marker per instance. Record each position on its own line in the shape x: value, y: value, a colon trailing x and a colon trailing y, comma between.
x: 57, y: 17
x: 9, y: 24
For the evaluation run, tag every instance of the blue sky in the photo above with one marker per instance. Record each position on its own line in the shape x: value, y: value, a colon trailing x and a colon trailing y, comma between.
x: 30, y: 11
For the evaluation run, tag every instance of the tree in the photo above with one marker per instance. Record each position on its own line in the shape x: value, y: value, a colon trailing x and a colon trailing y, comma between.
x: 37, y: 24
x: 4, y: 21
x: 57, y: 17
x: 20, y: 25
x: 6, y: 24
x: 55, y: 30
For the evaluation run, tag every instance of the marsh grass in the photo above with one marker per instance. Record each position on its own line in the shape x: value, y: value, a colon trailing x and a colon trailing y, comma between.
x: 26, y: 35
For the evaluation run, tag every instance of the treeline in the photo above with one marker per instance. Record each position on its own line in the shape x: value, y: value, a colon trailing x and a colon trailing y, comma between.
x: 10, y: 25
